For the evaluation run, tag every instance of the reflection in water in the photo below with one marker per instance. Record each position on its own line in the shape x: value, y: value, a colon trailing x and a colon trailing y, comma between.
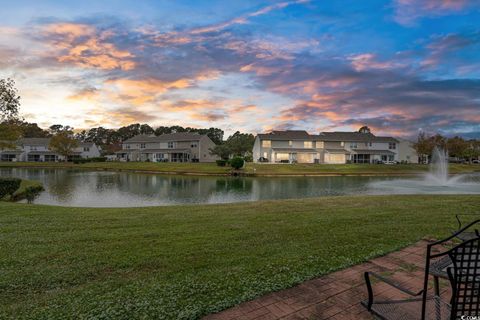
x: 120, y: 189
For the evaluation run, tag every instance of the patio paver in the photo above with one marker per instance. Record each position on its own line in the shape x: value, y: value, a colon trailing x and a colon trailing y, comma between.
x: 336, y: 295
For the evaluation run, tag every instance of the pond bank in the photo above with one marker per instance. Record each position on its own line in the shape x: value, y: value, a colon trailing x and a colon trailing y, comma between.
x: 251, y: 169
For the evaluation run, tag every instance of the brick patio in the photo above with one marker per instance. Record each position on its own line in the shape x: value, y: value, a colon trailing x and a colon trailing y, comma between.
x: 337, y: 295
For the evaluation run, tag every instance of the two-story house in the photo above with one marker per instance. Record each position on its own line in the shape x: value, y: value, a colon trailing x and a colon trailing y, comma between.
x: 358, y: 147
x: 285, y: 147
x: 292, y: 146
x: 38, y: 150
x: 174, y: 147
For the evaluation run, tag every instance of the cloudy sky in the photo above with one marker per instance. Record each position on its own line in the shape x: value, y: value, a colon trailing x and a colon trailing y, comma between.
x: 397, y: 66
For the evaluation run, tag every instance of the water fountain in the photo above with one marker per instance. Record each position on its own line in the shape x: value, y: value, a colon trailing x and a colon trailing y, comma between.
x: 436, y: 181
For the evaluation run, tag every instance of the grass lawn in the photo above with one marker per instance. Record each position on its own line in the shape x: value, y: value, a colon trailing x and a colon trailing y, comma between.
x: 182, y: 262
x: 258, y: 169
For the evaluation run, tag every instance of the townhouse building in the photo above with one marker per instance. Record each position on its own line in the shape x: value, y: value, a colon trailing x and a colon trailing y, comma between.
x: 38, y: 150
x: 174, y: 147
x: 298, y: 146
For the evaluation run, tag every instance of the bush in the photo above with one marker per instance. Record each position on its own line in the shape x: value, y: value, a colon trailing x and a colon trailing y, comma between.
x: 221, y: 163
x: 8, y: 186
x: 237, y: 163
x: 87, y: 160
x: 32, y: 192
x: 248, y: 158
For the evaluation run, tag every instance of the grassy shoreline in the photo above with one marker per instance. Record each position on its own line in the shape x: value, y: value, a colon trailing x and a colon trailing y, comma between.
x: 188, y: 261
x: 250, y: 169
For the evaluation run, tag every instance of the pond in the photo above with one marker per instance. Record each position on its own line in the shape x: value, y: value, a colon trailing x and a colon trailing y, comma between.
x: 80, y: 188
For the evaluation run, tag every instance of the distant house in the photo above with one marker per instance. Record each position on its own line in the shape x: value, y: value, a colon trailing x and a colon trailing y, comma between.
x: 174, y: 147
x: 38, y: 150
x: 406, y: 152
x: 292, y: 146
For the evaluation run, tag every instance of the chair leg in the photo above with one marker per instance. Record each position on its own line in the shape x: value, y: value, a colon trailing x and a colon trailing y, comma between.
x: 436, y: 286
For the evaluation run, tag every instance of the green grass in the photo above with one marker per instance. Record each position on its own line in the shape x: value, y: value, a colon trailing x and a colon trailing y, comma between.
x: 258, y: 169
x: 182, y: 262
x: 353, y: 169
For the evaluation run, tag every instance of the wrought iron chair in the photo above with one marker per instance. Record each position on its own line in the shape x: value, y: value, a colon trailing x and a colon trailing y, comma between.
x: 464, y: 278
x: 438, y: 267
x: 466, y: 235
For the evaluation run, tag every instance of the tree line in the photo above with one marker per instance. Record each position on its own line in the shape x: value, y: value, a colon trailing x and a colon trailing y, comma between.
x: 457, y: 147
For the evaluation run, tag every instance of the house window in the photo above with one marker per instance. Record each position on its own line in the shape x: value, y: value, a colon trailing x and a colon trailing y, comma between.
x: 266, y: 143
x: 86, y: 149
x: 307, y: 144
x: 290, y: 143
x: 392, y: 145
x: 368, y: 144
x: 342, y: 144
x: 142, y: 145
x: 171, y: 145
x: 320, y: 144
x: 353, y: 145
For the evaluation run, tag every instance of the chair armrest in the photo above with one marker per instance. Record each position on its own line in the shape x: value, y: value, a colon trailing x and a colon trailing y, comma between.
x: 387, y: 281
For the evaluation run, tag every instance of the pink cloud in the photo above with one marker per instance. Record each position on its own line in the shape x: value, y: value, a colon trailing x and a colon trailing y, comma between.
x: 84, y: 46
x: 365, y: 61
x: 407, y: 12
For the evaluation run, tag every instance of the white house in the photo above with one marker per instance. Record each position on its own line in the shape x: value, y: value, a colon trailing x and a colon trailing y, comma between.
x: 38, y: 150
x: 406, y: 152
x: 299, y: 146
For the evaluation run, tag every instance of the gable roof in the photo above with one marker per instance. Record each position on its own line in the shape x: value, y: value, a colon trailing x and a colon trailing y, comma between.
x: 46, y: 142
x: 178, y: 136
x: 34, y: 141
x: 324, y: 136
x: 286, y: 135
x: 353, y: 136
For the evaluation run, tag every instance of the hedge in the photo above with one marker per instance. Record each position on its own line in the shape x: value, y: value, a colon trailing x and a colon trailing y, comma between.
x: 8, y: 186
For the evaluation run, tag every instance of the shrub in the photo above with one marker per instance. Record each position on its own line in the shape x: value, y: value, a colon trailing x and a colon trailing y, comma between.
x: 237, y: 163
x: 221, y: 163
x: 8, y: 186
x: 248, y: 158
x: 87, y: 160
x: 32, y: 192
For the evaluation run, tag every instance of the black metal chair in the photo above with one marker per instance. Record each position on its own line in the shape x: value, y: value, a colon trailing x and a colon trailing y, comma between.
x: 438, y: 267
x: 421, y: 305
x: 466, y: 235
x: 464, y: 277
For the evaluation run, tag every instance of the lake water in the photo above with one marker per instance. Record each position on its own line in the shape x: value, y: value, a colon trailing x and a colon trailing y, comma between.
x: 80, y: 188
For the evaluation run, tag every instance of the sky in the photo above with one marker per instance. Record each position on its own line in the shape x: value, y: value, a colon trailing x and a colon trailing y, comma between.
x: 398, y: 66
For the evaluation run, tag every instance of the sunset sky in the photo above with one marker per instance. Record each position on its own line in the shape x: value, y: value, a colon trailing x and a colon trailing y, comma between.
x: 398, y: 66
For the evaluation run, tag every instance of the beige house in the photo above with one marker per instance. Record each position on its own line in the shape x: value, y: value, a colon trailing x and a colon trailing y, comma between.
x: 174, y: 147
x: 297, y: 146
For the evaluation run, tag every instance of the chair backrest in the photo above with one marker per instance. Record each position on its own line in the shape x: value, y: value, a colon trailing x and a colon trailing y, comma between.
x: 431, y: 255
x: 465, y: 279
